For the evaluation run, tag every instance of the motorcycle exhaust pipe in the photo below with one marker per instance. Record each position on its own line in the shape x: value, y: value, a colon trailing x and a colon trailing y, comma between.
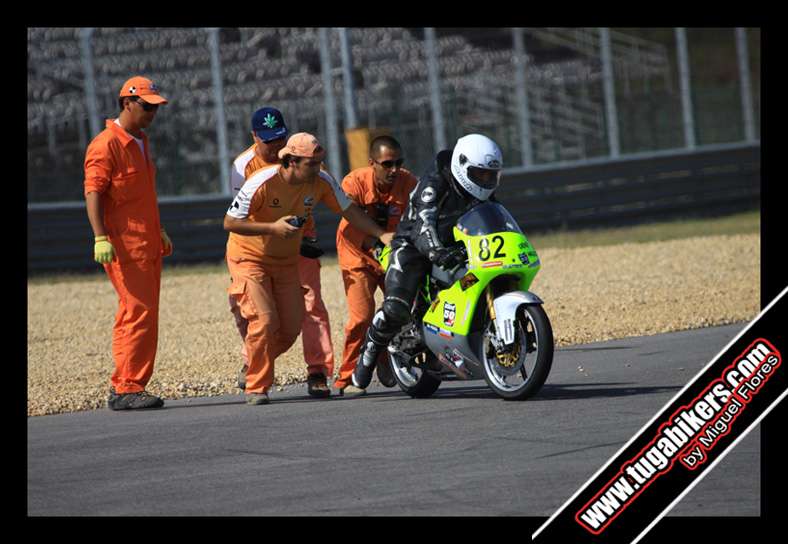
x: 456, y: 369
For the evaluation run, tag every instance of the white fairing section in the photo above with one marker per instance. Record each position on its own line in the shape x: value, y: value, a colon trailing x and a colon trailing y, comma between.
x: 506, y: 312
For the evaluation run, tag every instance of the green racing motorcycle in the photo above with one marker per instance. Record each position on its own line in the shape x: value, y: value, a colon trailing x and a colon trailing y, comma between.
x: 478, y: 320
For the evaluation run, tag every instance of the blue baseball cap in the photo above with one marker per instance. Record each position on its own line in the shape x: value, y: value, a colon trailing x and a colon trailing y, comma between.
x: 269, y: 124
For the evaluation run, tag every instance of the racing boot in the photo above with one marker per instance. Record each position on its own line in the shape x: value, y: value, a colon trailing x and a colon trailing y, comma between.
x: 385, y: 325
x: 365, y: 366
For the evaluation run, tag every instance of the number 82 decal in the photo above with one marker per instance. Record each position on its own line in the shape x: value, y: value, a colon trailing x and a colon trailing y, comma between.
x: 484, y: 248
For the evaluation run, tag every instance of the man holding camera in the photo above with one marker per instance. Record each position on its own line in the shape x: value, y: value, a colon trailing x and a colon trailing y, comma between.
x: 269, y: 133
x: 264, y: 221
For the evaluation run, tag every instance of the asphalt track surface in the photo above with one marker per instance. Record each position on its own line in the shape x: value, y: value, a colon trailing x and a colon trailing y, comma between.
x: 462, y: 452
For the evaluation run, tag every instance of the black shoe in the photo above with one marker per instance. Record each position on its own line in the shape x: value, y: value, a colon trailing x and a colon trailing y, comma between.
x: 365, y: 366
x: 133, y: 401
x: 317, y: 386
x: 385, y: 373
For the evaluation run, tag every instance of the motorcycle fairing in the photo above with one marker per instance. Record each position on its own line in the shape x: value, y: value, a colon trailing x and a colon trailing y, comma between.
x: 489, y: 256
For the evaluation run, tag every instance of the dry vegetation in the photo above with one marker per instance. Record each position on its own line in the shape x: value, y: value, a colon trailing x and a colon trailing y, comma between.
x: 591, y: 294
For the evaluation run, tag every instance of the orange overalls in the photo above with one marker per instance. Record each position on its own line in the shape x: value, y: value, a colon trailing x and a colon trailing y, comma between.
x: 265, y: 286
x: 361, y: 273
x: 126, y: 180
x: 316, y: 328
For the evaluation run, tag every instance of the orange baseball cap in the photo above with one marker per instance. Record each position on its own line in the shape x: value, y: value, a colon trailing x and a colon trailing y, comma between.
x: 302, y: 144
x: 144, y: 88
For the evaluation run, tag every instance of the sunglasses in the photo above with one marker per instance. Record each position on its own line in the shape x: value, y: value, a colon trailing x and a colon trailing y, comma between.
x: 391, y: 164
x: 146, y: 106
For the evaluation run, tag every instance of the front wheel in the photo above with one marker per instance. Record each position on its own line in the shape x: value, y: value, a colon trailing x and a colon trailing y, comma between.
x: 520, y: 372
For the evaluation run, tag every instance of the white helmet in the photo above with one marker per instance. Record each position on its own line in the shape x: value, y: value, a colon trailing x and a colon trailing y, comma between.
x: 476, y: 164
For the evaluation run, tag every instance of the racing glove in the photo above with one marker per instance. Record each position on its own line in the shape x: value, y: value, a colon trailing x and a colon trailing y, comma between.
x: 166, y: 244
x: 103, y: 251
x: 449, y: 258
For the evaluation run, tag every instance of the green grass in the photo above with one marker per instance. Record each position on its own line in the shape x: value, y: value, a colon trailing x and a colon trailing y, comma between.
x: 742, y: 223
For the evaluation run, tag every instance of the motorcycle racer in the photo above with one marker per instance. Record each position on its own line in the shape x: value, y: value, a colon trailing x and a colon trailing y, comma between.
x: 458, y: 180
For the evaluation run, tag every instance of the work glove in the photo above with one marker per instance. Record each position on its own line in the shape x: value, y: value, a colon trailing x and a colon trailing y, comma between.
x: 103, y: 251
x: 449, y: 258
x: 166, y: 244
x: 377, y: 249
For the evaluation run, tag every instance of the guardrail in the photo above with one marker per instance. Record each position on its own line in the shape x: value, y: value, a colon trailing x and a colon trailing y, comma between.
x: 636, y: 187
x: 590, y: 193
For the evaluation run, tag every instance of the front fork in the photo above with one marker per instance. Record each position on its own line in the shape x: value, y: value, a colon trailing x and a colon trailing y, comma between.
x: 490, y: 302
x: 495, y: 337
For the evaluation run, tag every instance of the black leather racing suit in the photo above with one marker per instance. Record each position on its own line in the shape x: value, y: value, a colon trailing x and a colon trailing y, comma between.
x: 423, y: 237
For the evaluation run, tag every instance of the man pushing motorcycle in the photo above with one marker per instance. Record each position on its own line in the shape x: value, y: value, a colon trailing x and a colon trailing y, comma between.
x: 459, y: 180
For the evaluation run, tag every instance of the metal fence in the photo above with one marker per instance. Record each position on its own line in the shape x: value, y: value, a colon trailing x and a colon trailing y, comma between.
x: 707, y: 179
x: 547, y: 95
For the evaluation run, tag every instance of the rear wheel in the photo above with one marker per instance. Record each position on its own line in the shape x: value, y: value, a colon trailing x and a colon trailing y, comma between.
x: 519, y: 372
x: 413, y: 374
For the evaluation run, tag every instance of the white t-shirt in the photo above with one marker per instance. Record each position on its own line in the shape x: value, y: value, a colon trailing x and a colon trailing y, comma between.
x: 138, y: 140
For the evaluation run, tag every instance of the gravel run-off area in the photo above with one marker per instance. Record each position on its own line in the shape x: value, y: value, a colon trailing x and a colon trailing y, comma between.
x: 590, y: 294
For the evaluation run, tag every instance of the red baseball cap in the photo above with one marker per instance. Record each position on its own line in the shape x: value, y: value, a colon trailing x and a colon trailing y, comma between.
x: 144, y: 88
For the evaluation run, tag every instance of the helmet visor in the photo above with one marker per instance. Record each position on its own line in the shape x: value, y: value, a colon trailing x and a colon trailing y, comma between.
x: 484, y: 177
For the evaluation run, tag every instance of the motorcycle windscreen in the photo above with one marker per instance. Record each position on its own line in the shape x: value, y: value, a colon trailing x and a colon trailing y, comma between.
x: 487, y: 218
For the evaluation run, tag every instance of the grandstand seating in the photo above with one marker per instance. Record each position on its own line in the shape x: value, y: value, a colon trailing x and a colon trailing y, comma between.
x: 281, y: 67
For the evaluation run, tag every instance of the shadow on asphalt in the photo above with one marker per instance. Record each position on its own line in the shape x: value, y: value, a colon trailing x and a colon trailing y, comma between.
x: 192, y: 404
x: 551, y: 391
x: 584, y: 391
x: 548, y: 392
x: 195, y: 402
x: 601, y: 348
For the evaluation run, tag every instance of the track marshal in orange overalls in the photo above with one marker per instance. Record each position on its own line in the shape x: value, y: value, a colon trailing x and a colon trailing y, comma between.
x: 382, y: 190
x: 265, y: 222
x: 269, y: 133
x: 123, y: 210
